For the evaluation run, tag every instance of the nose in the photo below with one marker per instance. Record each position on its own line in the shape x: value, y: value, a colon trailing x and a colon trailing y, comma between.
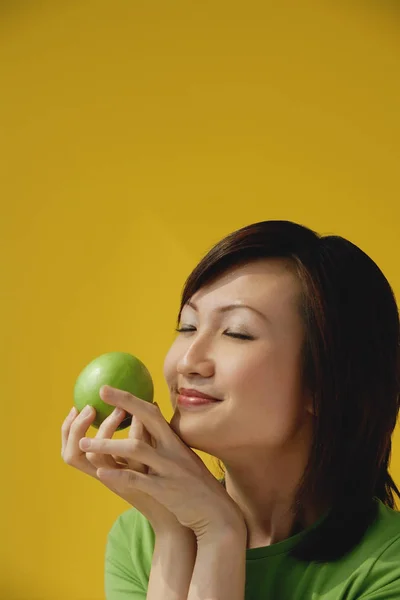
x: 196, y: 360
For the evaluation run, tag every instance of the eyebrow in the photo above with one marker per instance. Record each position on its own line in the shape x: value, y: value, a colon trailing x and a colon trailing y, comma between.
x: 224, y: 309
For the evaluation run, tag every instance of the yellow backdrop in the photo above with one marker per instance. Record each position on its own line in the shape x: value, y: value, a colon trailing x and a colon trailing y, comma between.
x: 134, y: 135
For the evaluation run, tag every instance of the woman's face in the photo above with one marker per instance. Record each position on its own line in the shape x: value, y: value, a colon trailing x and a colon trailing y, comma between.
x: 258, y: 380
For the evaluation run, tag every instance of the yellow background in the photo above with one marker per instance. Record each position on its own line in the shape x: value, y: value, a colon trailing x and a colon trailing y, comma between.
x: 135, y: 135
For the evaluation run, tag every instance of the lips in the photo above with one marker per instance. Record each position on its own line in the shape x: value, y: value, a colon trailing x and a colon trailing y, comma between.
x: 191, y: 393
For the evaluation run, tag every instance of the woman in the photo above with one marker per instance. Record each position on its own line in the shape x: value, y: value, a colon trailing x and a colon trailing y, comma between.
x: 296, y: 337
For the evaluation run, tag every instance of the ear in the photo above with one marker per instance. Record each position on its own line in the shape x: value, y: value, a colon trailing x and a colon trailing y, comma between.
x: 310, y: 404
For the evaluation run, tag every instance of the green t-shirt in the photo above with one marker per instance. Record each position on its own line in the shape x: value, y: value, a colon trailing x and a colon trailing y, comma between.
x: 370, y: 572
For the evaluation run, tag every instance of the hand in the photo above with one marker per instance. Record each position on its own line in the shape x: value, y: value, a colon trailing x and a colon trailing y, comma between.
x: 177, y: 479
x: 75, y: 427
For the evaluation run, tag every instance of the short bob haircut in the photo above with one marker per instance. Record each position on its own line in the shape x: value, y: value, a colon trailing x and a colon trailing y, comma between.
x: 351, y: 365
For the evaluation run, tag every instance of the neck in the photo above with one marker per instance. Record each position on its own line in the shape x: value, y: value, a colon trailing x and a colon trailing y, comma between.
x: 266, y: 497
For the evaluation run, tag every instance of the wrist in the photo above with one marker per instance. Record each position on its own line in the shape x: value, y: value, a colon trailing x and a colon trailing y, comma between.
x: 220, y: 568
x: 172, y: 565
x: 224, y: 534
x: 173, y: 532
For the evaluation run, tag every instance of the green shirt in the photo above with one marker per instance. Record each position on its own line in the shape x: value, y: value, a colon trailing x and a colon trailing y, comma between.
x: 370, y: 572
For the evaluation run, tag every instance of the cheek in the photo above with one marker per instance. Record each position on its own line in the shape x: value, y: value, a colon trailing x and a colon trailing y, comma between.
x: 266, y: 393
x: 253, y: 374
x: 169, y: 368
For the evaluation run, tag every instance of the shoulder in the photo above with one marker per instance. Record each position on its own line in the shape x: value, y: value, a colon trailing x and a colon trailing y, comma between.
x: 380, y: 551
x: 386, y: 527
x: 128, y: 556
x: 382, y: 535
x: 132, y: 530
x: 130, y: 543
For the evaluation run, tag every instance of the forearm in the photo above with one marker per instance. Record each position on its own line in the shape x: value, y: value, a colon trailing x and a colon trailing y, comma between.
x: 220, y: 568
x: 172, y: 566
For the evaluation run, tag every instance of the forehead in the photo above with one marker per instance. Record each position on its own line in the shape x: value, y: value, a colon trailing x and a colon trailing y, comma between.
x: 264, y: 283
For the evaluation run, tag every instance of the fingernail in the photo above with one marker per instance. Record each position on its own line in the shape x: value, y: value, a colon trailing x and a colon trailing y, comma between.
x: 119, y: 412
x: 86, y: 411
x: 71, y: 412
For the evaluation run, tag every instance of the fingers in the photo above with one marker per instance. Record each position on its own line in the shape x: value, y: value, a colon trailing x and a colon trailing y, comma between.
x: 75, y: 428
x: 66, y: 426
x: 110, y: 424
x: 106, y: 431
x: 149, y: 414
x: 130, y: 449
x: 137, y: 431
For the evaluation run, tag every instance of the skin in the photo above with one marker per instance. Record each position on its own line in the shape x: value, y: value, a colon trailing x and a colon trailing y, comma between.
x: 262, y: 429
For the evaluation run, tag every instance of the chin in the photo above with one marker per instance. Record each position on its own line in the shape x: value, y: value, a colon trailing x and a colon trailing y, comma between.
x: 175, y: 421
x: 189, y: 435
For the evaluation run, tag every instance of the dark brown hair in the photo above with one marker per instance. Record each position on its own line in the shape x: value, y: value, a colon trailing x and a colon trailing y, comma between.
x: 351, y: 364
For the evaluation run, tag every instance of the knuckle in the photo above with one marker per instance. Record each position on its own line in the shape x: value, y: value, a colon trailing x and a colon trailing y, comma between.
x: 154, y: 408
x: 136, y: 445
x: 69, y: 459
x: 133, y: 450
x: 93, y: 458
x: 131, y: 477
x: 103, y: 428
x: 171, y: 467
x: 75, y: 426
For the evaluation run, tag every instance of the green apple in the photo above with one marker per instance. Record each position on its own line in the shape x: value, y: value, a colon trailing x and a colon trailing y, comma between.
x: 119, y: 370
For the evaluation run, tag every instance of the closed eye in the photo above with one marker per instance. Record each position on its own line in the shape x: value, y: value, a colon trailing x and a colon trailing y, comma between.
x: 239, y: 336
